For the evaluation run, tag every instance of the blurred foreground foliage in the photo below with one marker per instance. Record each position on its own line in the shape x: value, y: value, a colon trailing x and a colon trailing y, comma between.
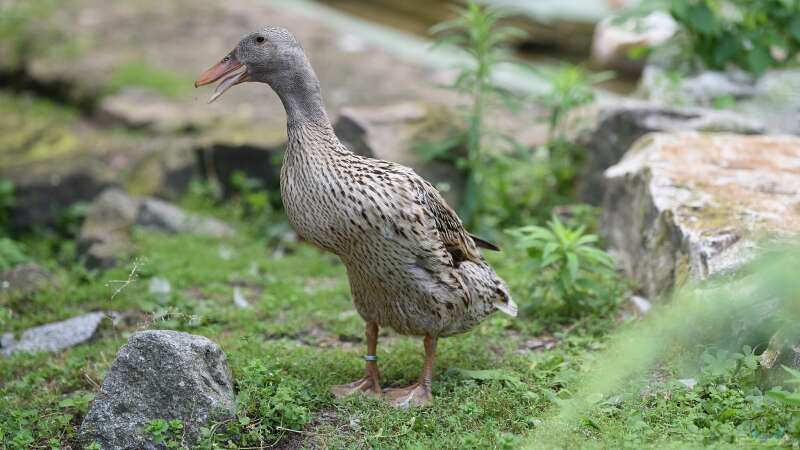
x: 696, y: 366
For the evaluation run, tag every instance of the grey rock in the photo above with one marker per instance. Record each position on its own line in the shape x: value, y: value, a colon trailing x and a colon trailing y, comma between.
x: 7, y: 340
x: 104, y: 239
x: 772, y: 99
x: 699, y: 89
x: 607, y: 130
x: 685, y: 206
x: 54, y: 337
x: 159, y: 374
x: 614, y: 40
x: 24, y: 279
x: 164, y: 216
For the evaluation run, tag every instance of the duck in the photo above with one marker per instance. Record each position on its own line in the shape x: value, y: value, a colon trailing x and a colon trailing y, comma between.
x: 411, y: 264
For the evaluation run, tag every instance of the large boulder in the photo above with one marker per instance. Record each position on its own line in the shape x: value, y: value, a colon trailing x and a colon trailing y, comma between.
x: 690, y: 205
x: 53, y: 337
x: 609, y: 128
x: 159, y: 375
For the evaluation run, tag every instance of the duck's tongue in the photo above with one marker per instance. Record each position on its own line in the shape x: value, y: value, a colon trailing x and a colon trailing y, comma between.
x: 227, y: 83
x: 228, y: 65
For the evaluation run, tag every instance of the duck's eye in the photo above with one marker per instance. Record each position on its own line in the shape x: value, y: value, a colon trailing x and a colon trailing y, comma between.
x: 260, y: 39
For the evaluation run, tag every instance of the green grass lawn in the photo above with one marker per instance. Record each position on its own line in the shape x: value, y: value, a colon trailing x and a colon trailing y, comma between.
x: 302, y: 330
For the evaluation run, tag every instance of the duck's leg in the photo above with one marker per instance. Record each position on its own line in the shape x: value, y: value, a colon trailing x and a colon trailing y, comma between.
x: 419, y: 393
x: 370, y: 383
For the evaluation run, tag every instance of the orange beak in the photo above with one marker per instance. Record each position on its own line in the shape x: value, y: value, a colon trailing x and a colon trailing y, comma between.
x: 227, y: 66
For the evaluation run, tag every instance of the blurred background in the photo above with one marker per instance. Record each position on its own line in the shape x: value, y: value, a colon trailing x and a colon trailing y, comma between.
x: 620, y: 151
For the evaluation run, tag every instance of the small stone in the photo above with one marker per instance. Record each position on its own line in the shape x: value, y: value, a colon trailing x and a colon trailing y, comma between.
x: 160, y: 374
x: 688, y: 382
x: 24, y: 279
x: 641, y: 304
x: 225, y: 253
x: 54, y: 337
x: 159, y: 286
x: 163, y: 216
x: 104, y: 238
x: 238, y: 298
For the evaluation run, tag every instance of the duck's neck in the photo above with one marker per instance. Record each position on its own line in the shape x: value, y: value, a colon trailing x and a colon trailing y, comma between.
x: 301, y: 96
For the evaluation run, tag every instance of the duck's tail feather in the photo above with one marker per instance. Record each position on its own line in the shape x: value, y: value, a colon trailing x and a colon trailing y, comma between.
x: 483, y: 243
x: 508, y: 306
x: 487, y: 288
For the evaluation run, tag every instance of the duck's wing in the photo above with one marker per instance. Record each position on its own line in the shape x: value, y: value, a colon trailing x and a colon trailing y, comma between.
x: 462, y: 245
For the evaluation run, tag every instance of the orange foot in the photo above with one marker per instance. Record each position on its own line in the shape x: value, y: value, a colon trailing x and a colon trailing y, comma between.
x: 367, y: 385
x: 414, y: 395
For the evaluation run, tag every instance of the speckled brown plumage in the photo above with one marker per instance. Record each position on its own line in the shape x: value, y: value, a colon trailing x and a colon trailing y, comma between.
x: 411, y: 264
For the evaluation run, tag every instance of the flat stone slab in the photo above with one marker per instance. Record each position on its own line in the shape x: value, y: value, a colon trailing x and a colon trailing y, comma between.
x: 54, y: 337
x: 687, y: 206
x: 608, y: 128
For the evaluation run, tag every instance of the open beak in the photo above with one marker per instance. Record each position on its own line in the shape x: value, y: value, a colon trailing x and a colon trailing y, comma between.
x: 226, y: 68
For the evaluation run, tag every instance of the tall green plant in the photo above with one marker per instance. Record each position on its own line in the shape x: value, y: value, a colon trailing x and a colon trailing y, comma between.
x: 477, y: 31
x: 569, y: 87
x: 6, y: 203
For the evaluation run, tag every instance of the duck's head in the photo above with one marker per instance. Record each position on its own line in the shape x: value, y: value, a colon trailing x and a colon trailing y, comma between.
x: 272, y: 56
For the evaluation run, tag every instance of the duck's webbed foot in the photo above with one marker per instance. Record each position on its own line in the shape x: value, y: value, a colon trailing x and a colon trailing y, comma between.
x: 370, y: 384
x: 419, y: 393
x: 415, y: 395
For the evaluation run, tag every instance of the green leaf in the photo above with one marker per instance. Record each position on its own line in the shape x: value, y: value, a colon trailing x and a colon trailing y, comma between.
x: 548, y: 249
x: 794, y: 28
x: 702, y: 19
x: 573, y: 266
x: 758, y: 59
x: 487, y: 375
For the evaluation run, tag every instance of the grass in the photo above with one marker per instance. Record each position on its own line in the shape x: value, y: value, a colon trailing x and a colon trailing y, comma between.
x: 302, y: 327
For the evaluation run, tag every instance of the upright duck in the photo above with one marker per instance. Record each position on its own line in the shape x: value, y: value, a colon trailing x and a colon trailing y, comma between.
x: 411, y: 264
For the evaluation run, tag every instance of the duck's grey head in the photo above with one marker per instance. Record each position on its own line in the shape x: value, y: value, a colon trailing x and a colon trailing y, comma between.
x: 271, y: 56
